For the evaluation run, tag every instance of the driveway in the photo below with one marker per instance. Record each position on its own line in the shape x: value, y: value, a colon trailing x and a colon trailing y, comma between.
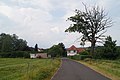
x: 71, y: 70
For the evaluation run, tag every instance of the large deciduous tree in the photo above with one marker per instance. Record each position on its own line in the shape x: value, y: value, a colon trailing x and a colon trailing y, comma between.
x: 92, y: 23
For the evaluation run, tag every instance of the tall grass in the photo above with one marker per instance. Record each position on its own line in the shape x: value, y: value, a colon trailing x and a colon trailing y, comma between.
x: 110, y: 68
x: 27, y: 69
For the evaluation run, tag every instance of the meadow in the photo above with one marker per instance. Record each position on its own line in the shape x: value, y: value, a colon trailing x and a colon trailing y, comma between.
x: 109, y: 68
x: 27, y: 69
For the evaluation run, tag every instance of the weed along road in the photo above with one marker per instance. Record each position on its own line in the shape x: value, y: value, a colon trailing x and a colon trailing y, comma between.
x: 71, y: 70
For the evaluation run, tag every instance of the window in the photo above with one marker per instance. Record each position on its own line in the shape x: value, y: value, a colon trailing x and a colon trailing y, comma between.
x: 74, y: 51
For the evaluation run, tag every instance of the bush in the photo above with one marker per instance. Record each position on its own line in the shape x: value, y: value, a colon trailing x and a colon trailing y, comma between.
x: 15, y: 54
x: 110, y: 56
x: 82, y: 57
x: 76, y: 57
x: 87, y: 59
x: 84, y: 53
x: 101, y: 53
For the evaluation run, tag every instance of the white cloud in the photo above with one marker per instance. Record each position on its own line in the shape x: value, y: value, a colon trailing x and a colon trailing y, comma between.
x: 5, y: 9
x: 55, y: 29
x: 35, y: 23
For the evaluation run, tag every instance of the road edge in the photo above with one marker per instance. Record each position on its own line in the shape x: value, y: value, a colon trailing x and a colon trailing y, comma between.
x: 92, y: 69
x: 57, y: 70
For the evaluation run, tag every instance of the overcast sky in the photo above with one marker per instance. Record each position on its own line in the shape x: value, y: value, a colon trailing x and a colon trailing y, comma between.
x: 44, y: 21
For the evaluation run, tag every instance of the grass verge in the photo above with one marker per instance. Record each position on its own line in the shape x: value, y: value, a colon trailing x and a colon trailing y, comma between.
x: 108, y: 68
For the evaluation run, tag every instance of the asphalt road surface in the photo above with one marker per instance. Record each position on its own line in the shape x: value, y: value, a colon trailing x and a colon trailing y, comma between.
x: 71, y: 70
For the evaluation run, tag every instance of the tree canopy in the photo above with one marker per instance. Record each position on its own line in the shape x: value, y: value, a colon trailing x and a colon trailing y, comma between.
x: 11, y: 43
x: 110, y: 45
x: 57, y: 50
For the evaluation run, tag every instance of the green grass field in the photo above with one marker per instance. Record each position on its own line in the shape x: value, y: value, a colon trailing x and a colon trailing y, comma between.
x: 109, y: 68
x: 27, y: 69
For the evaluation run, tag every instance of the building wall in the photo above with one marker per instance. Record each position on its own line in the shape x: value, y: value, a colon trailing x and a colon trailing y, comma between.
x: 39, y: 55
x: 32, y: 56
x: 71, y: 53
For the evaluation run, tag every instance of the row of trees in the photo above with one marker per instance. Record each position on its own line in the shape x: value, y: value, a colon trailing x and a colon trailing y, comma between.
x: 11, y: 43
x: 11, y: 46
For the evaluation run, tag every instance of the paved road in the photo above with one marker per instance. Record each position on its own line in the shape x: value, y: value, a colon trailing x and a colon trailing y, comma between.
x: 71, y: 70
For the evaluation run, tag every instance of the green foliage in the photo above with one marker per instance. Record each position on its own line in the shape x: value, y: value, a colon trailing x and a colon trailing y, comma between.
x: 111, y: 67
x: 108, y: 51
x: 64, y: 53
x: 118, y: 51
x: 27, y: 69
x: 82, y: 57
x: 15, y: 54
x: 110, y: 45
x: 75, y: 57
x: 84, y: 53
x: 99, y: 51
x: 12, y: 46
x: 11, y: 43
x: 57, y: 50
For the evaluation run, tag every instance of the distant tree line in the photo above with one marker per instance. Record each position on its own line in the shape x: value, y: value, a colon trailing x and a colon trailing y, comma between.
x: 13, y: 46
x: 108, y: 51
x: 11, y: 43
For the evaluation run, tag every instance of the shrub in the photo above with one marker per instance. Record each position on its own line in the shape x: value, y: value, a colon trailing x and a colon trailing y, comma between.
x: 15, y: 54
x: 87, y: 59
x: 101, y: 53
x: 110, y: 55
x: 76, y: 57
x: 82, y: 57
x: 84, y: 53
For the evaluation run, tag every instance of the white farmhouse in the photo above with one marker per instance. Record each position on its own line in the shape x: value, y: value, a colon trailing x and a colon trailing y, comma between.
x: 74, y: 51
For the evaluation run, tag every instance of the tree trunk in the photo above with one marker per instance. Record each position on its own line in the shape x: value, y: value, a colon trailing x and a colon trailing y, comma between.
x: 92, y: 47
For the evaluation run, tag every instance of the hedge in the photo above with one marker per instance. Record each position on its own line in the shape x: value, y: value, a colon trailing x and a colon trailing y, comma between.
x: 82, y: 57
x: 15, y: 54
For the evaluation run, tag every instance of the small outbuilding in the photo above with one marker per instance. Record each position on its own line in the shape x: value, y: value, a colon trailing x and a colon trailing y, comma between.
x: 32, y: 55
x: 39, y: 55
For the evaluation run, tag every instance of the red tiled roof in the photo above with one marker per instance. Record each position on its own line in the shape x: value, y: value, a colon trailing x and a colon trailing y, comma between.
x: 80, y: 50
x: 77, y: 49
x: 72, y: 48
